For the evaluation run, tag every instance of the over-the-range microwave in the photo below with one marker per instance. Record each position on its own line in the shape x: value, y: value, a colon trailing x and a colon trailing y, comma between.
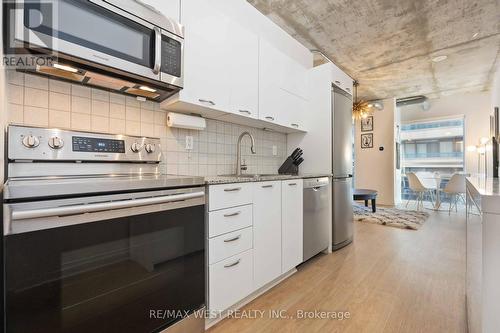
x: 122, y: 45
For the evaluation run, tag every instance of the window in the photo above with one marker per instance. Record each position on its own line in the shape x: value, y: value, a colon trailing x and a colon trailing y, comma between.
x: 432, y: 146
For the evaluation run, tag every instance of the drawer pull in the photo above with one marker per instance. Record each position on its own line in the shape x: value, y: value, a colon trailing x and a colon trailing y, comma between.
x: 337, y: 82
x: 270, y: 118
x: 232, y: 239
x: 206, y: 101
x: 295, y: 125
x: 245, y: 111
x: 232, y: 264
x: 267, y: 186
x: 232, y: 214
x: 292, y: 184
x: 234, y: 189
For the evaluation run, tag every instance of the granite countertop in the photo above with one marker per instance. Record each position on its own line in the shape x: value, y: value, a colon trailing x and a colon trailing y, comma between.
x: 212, y: 180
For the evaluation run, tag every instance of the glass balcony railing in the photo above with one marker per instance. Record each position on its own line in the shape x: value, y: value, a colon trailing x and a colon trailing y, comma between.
x: 458, y: 154
x: 439, y: 124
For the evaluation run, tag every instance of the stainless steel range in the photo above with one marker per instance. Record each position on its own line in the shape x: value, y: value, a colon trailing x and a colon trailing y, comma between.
x: 96, y: 240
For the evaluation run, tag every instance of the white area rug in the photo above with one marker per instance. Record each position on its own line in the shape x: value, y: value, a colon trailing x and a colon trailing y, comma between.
x: 392, y: 217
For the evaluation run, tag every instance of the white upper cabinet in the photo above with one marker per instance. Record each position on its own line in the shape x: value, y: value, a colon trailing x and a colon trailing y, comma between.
x: 169, y: 8
x: 205, y: 69
x: 243, y: 70
x: 232, y: 72
x: 341, y: 79
x: 282, y: 88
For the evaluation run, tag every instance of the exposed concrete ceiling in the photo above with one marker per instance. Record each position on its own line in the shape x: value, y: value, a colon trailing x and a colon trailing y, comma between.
x: 388, y: 45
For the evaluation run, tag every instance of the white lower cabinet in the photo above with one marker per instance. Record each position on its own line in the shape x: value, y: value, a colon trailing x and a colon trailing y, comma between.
x: 230, y: 281
x: 292, y: 223
x: 267, y: 232
x: 229, y: 244
x: 254, y: 236
x: 229, y: 219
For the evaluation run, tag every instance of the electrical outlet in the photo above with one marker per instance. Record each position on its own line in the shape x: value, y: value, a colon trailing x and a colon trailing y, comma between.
x: 275, y: 150
x: 189, y: 142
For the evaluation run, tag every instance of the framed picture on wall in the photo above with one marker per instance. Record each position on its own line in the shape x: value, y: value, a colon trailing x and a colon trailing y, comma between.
x: 367, y: 140
x: 367, y: 124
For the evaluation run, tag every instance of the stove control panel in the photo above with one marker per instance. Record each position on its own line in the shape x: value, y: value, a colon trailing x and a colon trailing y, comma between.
x: 32, y: 143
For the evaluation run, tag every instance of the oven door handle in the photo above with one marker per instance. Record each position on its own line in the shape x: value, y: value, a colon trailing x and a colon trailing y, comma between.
x: 98, y: 207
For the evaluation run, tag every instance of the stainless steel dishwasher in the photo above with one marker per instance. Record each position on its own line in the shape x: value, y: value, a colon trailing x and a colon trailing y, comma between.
x: 317, y: 218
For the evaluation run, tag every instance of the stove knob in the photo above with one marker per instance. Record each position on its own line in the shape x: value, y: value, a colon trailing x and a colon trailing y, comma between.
x: 56, y: 142
x: 136, y: 147
x: 31, y: 141
x: 150, y: 148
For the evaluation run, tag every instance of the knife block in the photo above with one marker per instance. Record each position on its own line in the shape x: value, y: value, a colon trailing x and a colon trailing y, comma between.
x: 288, y: 168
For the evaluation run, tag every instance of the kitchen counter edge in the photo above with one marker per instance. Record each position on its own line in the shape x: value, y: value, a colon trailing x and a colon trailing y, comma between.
x: 216, y: 180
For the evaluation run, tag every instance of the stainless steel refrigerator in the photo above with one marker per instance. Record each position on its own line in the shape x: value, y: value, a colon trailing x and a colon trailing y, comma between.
x: 342, y: 165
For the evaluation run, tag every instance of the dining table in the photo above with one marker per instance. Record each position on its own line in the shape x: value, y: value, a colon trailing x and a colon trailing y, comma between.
x: 435, y: 179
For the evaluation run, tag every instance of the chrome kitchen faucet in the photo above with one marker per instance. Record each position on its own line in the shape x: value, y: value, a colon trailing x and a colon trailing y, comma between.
x: 239, y: 167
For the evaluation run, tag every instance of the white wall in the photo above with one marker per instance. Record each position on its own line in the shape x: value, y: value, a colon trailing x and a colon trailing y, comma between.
x: 475, y: 107
x: 375, y: 169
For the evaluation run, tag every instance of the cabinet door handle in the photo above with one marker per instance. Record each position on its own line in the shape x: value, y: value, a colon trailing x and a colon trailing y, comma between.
x: 232, y: 264
x: 234, y: 189
x: 245, y: 111
x: 267, y: 186
x: 232, y: 214
x: 232, y: 239
x: 292, y: 184
x: 295, y: 125
x: 270, y: 118
x: 206, y: 101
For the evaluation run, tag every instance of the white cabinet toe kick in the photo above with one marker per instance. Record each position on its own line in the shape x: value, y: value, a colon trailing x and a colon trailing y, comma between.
x: 254, y: 241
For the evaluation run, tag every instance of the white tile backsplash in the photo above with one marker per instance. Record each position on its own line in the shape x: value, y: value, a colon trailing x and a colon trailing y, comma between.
x: 35, y: 116
x: 38, y: 101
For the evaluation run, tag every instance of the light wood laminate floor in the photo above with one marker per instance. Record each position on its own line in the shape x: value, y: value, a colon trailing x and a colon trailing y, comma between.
x: 390, y: 280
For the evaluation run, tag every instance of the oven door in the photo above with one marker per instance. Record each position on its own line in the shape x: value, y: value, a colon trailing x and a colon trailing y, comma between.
x: 94, y: 31
x: 116, y: 263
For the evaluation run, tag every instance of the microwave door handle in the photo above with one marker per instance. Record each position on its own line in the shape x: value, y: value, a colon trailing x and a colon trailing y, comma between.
x: 157, y: 65
x: 102, y: 206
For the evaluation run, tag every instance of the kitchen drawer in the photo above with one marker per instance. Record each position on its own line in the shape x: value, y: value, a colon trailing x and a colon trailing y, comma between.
x: 230, y: 281
x: 229, y: 195
x: 227, y: 220
x: 225, y: 246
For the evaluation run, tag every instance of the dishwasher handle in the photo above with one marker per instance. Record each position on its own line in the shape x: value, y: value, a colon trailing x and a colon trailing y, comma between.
x: 317, y: 187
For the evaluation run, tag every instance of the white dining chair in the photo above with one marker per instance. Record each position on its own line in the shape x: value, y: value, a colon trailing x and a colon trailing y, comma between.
x: 420, y: 189
x: 455, y: 189
x: 427, y: 178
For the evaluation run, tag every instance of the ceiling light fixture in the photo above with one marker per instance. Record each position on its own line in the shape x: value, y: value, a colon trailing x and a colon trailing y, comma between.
x: 360, y: 109
x: 439, y: 58
x: 65, y: 68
